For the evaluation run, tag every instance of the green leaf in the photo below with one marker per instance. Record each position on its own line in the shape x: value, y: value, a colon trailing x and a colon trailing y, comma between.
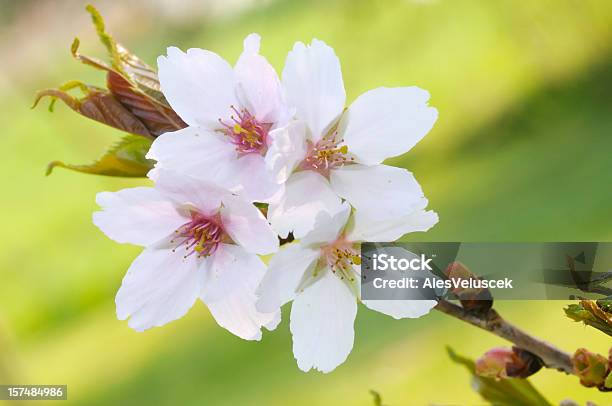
x: 126, y: 159
x: 592, y: 314
x: 608, y: 382
x: 376, y: 398
x: 503, y: 392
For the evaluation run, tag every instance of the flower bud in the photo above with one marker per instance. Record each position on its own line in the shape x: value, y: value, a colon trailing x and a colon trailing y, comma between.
x: 504, y: 362
x: 591, y: 368
x: 493, y: 363
x: 525, y: 364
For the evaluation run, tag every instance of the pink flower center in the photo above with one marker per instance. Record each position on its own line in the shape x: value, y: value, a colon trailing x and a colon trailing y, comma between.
x: 201, y: 235
x: 327, y: 154
x: 340, y: 257
x: 246, y: 133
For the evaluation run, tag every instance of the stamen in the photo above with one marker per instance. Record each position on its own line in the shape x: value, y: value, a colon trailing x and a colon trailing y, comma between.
x: 246, y: 133
x: 201, y: 235
x: 340, y: 257
x: 327, y: 154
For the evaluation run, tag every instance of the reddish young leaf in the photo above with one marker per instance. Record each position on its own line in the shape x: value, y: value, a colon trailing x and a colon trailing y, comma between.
x: 99, y: 105
x: 133, y: 101
x: 157, y: 117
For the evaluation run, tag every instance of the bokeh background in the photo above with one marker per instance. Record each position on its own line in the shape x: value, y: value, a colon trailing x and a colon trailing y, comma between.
x: 522, y: 151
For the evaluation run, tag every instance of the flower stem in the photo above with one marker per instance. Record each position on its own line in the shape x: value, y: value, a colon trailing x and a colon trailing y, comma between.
x: 491, y: 321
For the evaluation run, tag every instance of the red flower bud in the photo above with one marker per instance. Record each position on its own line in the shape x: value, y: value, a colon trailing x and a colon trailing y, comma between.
x: 493, y: 363
x: 504, y: 362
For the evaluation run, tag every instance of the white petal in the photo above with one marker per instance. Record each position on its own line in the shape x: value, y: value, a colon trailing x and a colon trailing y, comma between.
x: 199, y: 85
x: 313, y: 84
x: 322, y: 318
x: 255, y: 181
x: 401, y: 309
x: 236, y: 313
x: 259, y: 88
x: 376, y: 230
x: 230, y: 293
x: 387, y: 122
x: 137, y: 216
x: 285, y: 271
x: 225, y: 268
x: 287, y: 149
x: 251, y: 44
x: 209, y: 156
x: 199, y: 153
x: 160, y: 286
x: 380, y: 191
x: 186, y: 190
x: 306, y: 194
x: 328, y: 225
x: 247, y: 226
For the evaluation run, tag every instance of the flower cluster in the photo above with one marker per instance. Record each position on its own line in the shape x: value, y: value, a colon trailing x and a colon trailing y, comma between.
x: 262, y: 158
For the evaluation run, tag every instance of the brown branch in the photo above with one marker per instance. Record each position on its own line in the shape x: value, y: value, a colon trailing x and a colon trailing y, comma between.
x: 494, y: 323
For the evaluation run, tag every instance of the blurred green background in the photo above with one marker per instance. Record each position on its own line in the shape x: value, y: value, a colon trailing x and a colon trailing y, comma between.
x: 522, y: 151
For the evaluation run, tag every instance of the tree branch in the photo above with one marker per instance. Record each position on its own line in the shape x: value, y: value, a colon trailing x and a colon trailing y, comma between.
x: 494, y: 323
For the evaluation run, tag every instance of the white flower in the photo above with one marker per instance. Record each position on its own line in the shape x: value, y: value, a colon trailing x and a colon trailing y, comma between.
x: 329, y: 153
x: 232, y: 113
x: 321, y: 275
x: 200, y: 242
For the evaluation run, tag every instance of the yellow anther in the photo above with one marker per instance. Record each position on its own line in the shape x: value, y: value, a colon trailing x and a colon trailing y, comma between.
x: 324, y: 153
x: 251, y: 137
